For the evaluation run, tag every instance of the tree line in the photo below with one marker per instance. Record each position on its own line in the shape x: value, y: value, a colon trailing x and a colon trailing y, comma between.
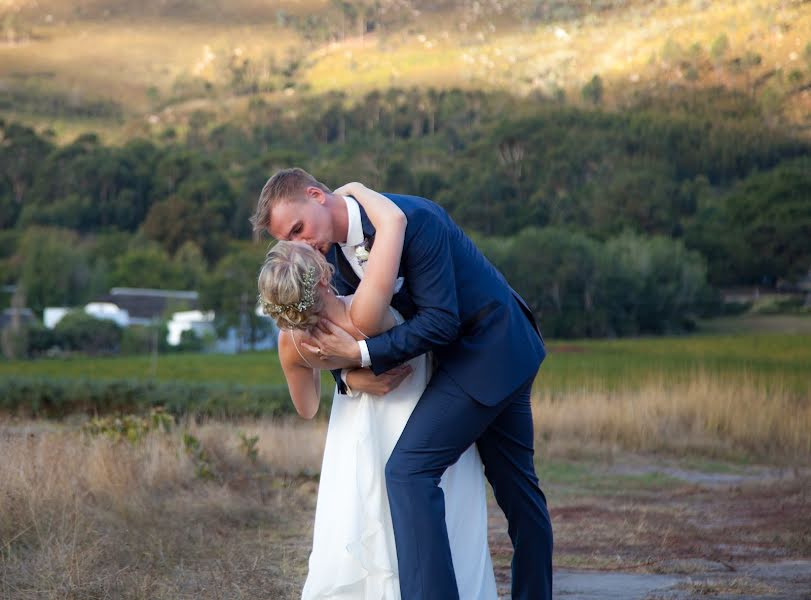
x: 609, y: 223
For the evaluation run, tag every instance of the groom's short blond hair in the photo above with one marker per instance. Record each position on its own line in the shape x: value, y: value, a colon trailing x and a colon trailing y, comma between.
x: 286, y: 185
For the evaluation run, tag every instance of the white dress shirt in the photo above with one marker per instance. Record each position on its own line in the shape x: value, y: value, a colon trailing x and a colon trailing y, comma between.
x: 354, y: 238
x: 354, y: 234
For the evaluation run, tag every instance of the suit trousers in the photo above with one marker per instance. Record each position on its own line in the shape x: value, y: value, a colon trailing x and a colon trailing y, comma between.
x: 445, y: 422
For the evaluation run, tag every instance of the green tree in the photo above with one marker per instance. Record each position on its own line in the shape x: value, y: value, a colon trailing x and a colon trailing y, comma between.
x: 148, y: 267
x: 770, y: 213
x: 199, y: 209
x: 54, y: 268
x: 231, y: 289
x: 719, y: 47
x: 21, y: 153
x: 593, y: 91
x: 653, y: 284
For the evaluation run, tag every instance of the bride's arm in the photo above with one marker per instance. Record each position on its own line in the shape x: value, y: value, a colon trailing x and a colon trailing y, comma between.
x: 370, y: 305
x: 303, y: 382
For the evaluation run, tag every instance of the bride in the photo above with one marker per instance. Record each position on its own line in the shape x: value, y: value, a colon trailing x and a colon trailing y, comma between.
x: 354, y: 555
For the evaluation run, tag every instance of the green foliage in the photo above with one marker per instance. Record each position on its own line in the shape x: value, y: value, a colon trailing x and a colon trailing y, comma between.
x: 752, y: 59
x: 759, y: 232
x: 580, y: 287
x: 593, y: 90
x: 190, y: 342
x: 131, y: 428
x: 719, y: 47
x: 231, y: 290
x: 248, y: 445
x: 44, y: 397
x: 86, y: 186
x: 204, y: 468
x: 54, y: 269
x: 771, y: 213
x: 14, y: 342
x: 251, y: 384
x: 82, y: 333
x: 137, y: 339
x: 41, y: 339
x: 651, y: 285
x: 167, y: 216
x: 672, y: 51
x: 795, y: 77
x: 21, y: 151
x: 149, y: 267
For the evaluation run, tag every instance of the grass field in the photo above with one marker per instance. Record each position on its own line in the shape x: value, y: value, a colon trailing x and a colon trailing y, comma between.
x: 91, y: 518
x: 741, y: 397
x: 774, y: 359
x: 668, y: 455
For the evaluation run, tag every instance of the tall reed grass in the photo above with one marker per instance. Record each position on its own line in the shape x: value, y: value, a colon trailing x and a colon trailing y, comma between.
x: 729, y: 416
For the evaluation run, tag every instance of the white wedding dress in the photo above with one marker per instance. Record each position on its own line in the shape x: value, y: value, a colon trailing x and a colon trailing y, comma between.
x: 353, y: 555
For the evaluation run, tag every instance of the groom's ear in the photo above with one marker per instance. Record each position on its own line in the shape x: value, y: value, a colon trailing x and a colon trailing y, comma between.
x: 317, y: 194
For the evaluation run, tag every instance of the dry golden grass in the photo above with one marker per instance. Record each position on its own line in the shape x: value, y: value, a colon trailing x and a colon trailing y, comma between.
x: 140, y: 58
x: 87, y: 517
x: 91, y: 518
x: 122, y: 61
x: 708, y: 414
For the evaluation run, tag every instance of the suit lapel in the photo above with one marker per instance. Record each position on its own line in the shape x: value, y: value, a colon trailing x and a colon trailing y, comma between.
x: 345, y: 269
x: 368, y: 228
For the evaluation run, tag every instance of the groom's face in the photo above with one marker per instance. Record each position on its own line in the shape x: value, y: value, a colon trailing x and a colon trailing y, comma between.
x: 304, y: 219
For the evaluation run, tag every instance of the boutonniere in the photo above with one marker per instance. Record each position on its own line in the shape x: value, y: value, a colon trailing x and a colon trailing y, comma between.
x: 362, y: 250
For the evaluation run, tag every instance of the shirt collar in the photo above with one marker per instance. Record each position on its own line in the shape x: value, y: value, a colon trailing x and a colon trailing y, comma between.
x: 354, y: 231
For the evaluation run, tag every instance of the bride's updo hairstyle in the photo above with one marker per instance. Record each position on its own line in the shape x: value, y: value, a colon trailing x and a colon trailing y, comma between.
x: 288, y: 284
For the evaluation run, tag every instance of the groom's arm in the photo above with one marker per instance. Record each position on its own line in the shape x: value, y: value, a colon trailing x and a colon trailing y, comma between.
x: 428, y: 268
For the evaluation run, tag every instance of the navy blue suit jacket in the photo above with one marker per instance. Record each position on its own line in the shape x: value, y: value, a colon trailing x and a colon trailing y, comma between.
x: 456, y: 304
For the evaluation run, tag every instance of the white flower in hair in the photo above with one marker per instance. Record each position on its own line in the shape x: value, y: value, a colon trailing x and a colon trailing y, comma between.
x: 307, y: 301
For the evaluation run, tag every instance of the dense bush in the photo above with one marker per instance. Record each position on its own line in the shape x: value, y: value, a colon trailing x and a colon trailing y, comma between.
x: 144, y: 339
x: 41, y: 340
x: 582, y: 287
x: 80, y: 332
x: 56, y: 398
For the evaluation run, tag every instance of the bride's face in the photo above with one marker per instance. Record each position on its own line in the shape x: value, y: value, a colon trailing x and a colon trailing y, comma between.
x: 305, y: 220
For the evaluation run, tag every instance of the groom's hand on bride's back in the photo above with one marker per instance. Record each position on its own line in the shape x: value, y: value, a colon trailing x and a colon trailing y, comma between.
x: 363, y: 380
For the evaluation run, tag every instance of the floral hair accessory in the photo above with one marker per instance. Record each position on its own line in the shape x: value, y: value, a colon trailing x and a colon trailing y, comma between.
x: 307, y: 298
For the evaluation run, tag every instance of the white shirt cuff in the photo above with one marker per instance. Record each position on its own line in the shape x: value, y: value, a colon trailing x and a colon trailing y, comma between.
x: 349, y: 391
x: 365, y: 359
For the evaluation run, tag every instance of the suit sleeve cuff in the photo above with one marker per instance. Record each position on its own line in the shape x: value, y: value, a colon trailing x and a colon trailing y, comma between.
x: 347, y: 390
x: 365, y: 359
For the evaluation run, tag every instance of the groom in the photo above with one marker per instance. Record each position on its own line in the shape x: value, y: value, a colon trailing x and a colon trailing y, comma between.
x: 488, y: 349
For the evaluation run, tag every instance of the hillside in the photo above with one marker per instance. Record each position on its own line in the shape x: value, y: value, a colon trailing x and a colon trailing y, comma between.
x: 75, y: 65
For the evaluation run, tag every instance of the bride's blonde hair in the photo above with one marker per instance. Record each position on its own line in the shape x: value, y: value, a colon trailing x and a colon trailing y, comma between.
x: 288, y: 284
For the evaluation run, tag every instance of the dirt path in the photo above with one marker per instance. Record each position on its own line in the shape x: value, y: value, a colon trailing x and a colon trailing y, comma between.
x: 650, y: 529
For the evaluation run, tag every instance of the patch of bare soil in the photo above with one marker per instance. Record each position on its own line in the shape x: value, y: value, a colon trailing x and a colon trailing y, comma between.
x: 678, y: 535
